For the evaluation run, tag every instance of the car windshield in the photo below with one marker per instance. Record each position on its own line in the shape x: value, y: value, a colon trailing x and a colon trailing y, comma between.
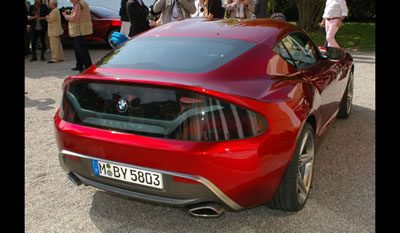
x: 175, y: 54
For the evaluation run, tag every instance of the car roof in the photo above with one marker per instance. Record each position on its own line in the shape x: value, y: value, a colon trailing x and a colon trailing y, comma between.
x: 105, y: 12
x: 266, y: 31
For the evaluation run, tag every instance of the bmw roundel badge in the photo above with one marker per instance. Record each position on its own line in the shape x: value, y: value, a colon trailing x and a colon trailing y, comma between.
x: 122, y: 106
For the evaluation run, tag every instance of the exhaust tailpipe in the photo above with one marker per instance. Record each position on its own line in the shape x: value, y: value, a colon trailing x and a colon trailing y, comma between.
x: 72, y: 177
x: 207, y: 210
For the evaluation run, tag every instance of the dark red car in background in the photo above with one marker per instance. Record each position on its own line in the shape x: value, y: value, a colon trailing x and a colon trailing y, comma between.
x: 206, y: 114
x: 105, y: 22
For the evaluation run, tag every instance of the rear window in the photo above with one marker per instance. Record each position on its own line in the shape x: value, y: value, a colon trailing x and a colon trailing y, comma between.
x: 159, y: 112
x: 175, y: 54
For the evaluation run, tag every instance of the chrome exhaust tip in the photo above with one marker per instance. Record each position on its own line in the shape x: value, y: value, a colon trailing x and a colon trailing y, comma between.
x: 72, y: 177
x: 207, y: 210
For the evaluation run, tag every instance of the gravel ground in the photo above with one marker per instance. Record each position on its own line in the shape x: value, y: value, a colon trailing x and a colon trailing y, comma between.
x: 342, y: 198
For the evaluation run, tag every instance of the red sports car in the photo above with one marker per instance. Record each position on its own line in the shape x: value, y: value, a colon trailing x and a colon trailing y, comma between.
x: 206, y: 114
x: 105, y: 22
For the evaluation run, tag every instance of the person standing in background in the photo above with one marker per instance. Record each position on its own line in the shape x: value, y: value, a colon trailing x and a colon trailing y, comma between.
x: 79, y: 26
x: 39, y: 27
x: 46, y: 2
x: 137, y: 13
x: 125, y: 23
x: 335, y: 12
x: 54, y: 31
x: 215, y: 9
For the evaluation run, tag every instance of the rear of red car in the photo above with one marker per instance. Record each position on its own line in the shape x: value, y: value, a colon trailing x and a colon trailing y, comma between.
x: 184, y: 154
x: 167, y: 136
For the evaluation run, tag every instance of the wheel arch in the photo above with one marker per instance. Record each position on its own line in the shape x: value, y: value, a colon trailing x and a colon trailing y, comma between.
x: 313, y: 122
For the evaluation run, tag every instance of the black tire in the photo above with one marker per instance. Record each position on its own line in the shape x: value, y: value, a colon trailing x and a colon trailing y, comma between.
x: 347, y: 100
x: 293, y: 190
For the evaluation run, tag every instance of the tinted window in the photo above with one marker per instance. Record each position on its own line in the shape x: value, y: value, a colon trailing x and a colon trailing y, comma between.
x: 175, y: 54
x: 283, y: 51
x: 298, y: 50
x: 158, y: 112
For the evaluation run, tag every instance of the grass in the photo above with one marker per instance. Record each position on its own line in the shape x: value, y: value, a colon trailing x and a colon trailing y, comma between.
x: 354, y: 36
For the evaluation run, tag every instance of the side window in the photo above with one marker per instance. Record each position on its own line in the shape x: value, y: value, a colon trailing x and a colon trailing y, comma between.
x: 299, y: 50
x: 283, y: 51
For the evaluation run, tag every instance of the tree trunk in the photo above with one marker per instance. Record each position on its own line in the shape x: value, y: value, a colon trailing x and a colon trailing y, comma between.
x: 310, y: 13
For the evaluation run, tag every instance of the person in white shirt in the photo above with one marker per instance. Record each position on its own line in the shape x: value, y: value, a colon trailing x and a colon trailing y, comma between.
x: 334, y: 14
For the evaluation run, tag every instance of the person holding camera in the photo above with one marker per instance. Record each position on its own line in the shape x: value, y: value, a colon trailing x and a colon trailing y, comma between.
x: 239, y: 9
x: 172, y: 10
x: 79, y: 26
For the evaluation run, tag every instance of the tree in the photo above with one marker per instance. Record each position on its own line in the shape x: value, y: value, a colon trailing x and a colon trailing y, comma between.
x: 310, y: 13
x: 361, y: 10
x: 287, y: 7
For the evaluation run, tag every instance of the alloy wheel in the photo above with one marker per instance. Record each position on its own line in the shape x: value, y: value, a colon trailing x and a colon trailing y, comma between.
x: 305, y: 167
x: 350, y: 93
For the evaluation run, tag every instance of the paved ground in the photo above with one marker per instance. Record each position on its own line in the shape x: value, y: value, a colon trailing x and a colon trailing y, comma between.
x: 342, y: 198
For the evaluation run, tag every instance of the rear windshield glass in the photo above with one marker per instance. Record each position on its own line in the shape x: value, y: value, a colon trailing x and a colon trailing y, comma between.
x: 175, y: 54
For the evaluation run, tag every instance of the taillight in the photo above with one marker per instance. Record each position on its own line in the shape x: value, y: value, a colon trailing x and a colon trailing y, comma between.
x: 210, y: 119
x: 158, y: 112
x: 67, y: 111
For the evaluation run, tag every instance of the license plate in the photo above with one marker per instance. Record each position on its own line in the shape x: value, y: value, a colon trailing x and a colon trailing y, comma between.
x: 128, y: 174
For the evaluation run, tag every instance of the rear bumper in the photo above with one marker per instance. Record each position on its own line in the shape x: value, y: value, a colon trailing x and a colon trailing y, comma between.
x: 193, y: 189
x: 238, y: 173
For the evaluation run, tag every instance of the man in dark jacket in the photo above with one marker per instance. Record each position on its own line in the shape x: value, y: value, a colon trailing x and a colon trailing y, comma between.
x: 215, y: 9
x: 137, y: 14
x: 126, y: 25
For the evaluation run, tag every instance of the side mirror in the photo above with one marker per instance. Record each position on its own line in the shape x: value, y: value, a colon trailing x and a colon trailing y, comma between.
x: 333, y: 53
